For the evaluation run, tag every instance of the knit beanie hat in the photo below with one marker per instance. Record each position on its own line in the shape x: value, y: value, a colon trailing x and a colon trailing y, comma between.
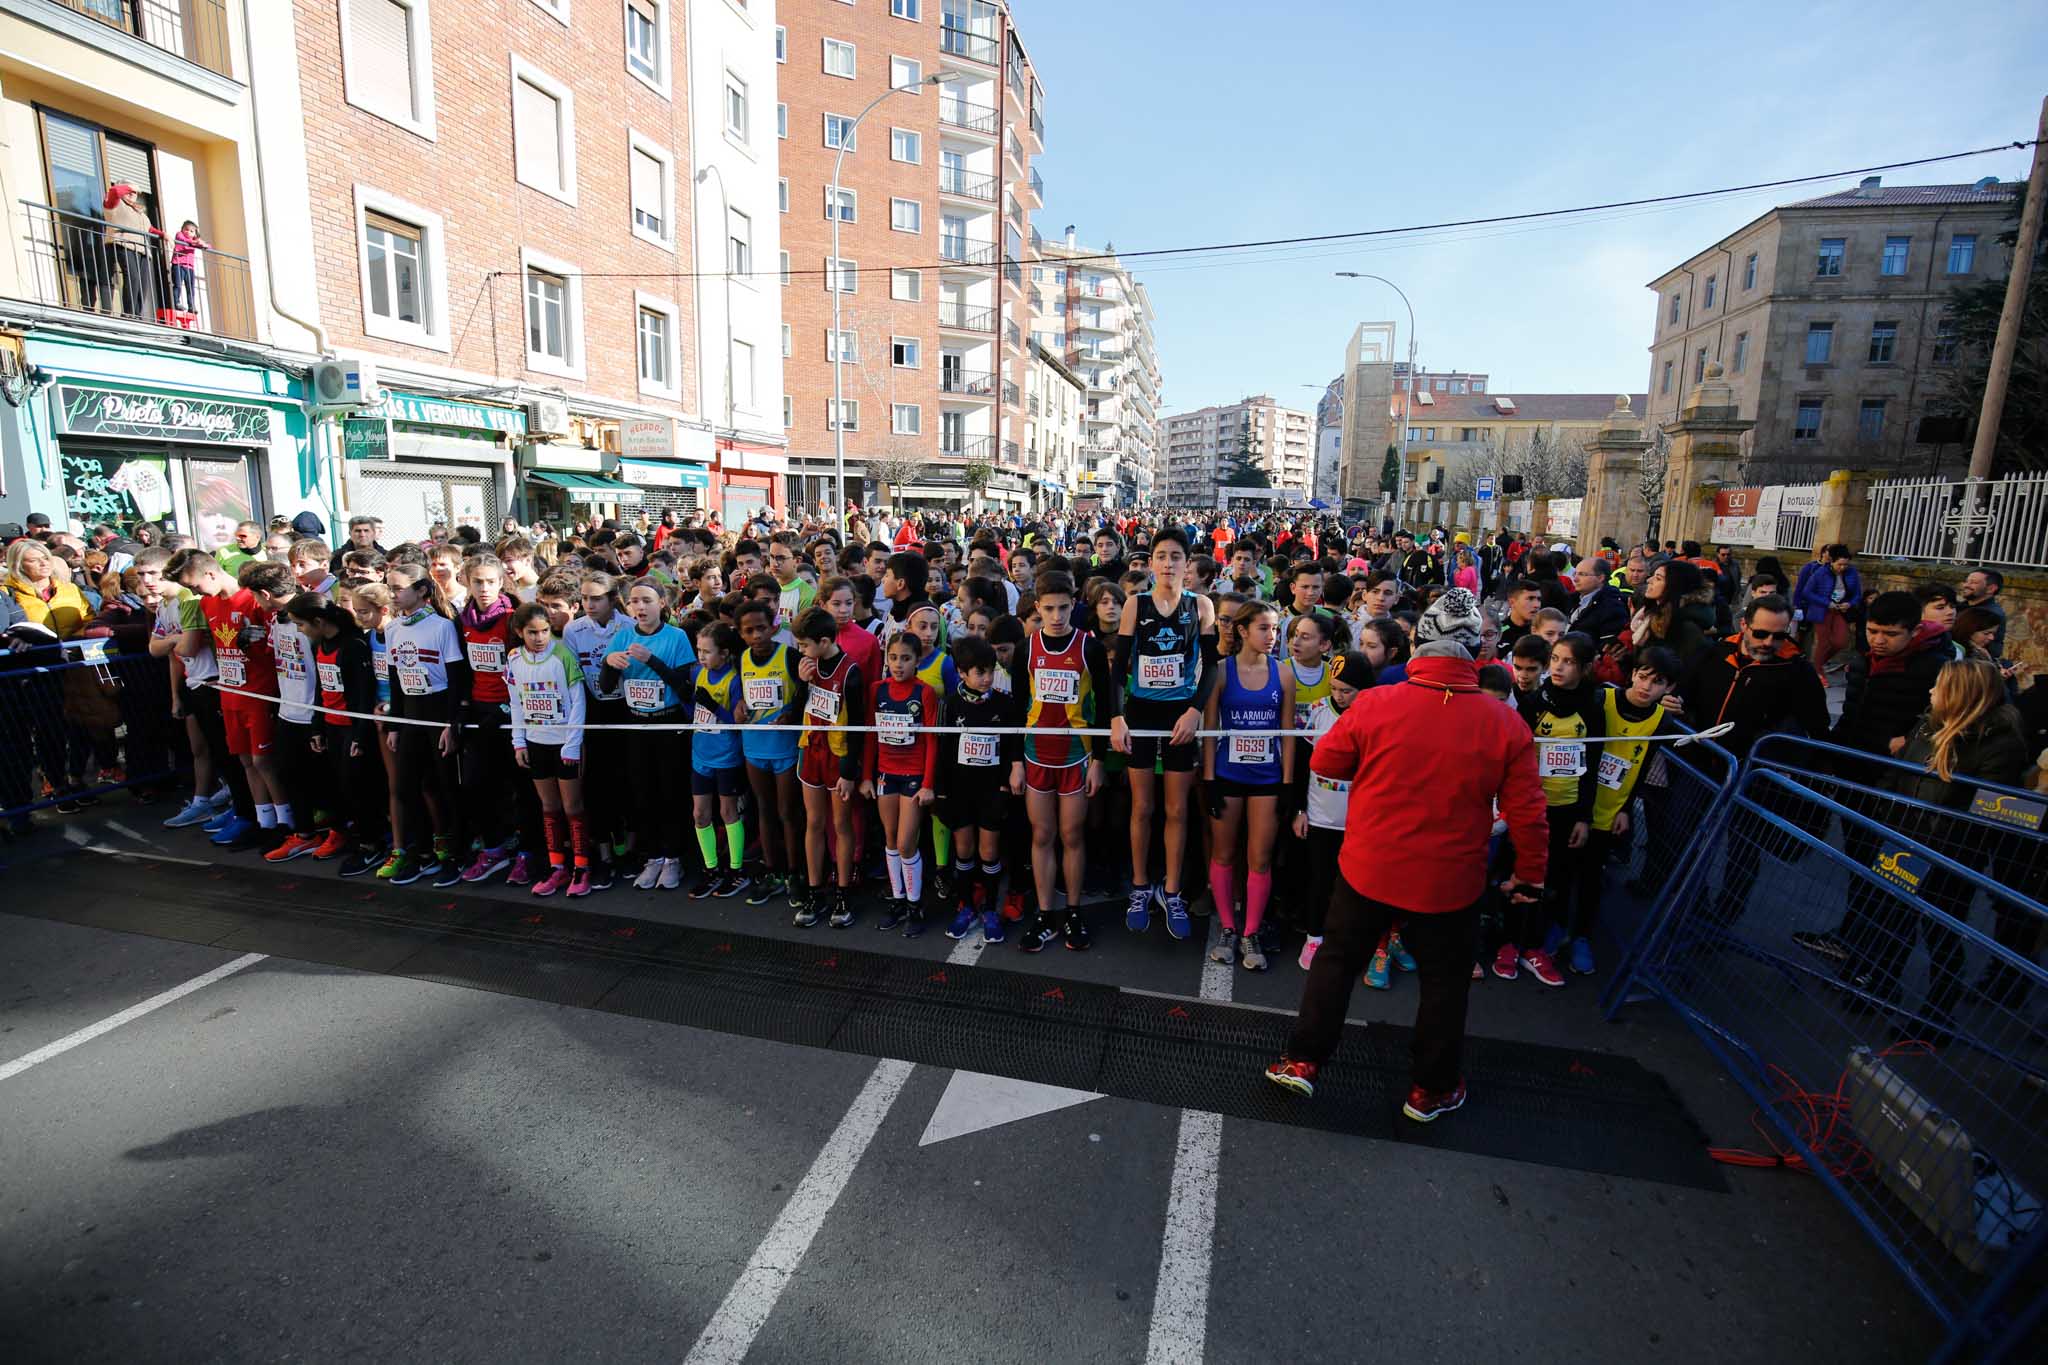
x: 1454, y: 616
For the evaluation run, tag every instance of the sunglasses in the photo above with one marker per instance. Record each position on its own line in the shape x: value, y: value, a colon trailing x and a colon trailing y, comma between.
x: 1766, y: 636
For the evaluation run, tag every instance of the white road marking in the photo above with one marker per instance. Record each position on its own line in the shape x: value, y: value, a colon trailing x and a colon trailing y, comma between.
x: 1180, y: 1303
x: 143, y: 855
x: 129, y: 1015
x: 974, y: 1102
x: 730, y: 1334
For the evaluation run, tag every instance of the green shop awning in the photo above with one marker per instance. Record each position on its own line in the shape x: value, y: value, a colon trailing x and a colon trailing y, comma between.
x: 587, y: 487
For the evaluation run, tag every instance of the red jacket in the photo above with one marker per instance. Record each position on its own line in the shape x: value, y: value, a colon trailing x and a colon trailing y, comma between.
x: 1426, y: 760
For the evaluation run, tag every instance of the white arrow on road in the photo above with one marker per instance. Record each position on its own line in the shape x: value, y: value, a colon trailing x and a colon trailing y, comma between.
x: 974, y: 1101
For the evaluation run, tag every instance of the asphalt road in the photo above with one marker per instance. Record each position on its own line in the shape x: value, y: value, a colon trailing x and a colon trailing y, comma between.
x: 295, y: 1161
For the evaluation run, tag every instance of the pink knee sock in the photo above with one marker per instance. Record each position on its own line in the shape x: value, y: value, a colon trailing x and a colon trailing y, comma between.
x: 1222, y: 886
x: 1258, y: 889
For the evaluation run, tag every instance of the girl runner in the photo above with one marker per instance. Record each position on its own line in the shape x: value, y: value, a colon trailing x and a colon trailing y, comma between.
x: 830, y: 761
x: 488, y: 778
x: 429, y: 682
x: 1246, y: 777
x: 969, y: 784
x: 344, y: 681
x: 1320, y: 821
x: 650, y: 660
x: 589, y: 638
x: 901, y: 773
x: 769, y: 693
x: 716, y: 776
x: 1567, y: 710
x: 371, y: 605
x: 544, y: 688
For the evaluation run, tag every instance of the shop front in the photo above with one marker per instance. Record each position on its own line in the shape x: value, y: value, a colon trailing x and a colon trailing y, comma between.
x: 416, y: 462
x: 668, y: 465
x: 565, y: 484
x: 748, y: 481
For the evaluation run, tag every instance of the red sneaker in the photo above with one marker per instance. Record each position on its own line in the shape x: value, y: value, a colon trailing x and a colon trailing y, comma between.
x: 1289, y: 1074
x: 294, y: 846
x: 333, y: 846
x: 1013, y: 906
x: 1426, y: 1106
x: 1542, y: 968
x: 557, y: 879
x: 1506, y: 962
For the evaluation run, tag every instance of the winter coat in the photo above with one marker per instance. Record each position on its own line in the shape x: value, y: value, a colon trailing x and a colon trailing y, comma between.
x: 1600, y: 613
x: 64, y: 612
x: 1997, y: 752
x: 1780, y: 693
x: 1888, y: 695
x: 1815, y: 587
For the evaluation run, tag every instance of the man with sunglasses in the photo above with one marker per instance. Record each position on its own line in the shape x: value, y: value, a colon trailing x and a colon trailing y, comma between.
x: 1755, y: 680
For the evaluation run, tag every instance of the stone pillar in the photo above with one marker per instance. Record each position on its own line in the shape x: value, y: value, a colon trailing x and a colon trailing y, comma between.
x: 1614, y: 461
x: 1706, y: 453
x: 1539, y: 522
x: 1844, y: 517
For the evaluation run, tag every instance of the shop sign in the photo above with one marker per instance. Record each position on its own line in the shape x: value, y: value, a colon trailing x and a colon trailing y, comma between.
x: 366, y: 438
x: 119, y: 490
x: 416, y: 410
x: 1735, y: 515
x: 664, y: 475
x: 647, y: 438
x: 83, y: 411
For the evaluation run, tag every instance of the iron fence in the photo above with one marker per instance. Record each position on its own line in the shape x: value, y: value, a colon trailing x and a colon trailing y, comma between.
x: 79, y: 721
x: 196, y: 30
x: 1986, y: 521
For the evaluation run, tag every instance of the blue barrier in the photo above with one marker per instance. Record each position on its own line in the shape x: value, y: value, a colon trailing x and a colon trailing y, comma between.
x: 1913, y: 1087
x: 79, y: 721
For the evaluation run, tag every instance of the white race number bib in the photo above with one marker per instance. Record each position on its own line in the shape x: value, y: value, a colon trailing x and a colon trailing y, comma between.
x: 763, y: 694
x: 979, y: 751
x: 1613, y: 771
x: 412, y: 681
x: 1057, y: 686
x: 823, y: 705
x: 234, y: 670
x: 487, y: 656
x: 330, y: 677
x: 1159, y: 672
x: 895, y: 727
x: 1250, y: 749
x: 1565, y: 759
x: 540, y: 708
x: 644, y: 694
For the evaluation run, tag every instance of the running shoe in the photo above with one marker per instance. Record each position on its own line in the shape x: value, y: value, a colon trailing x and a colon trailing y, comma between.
x: 650, y: 874
x: 1039, y: 934
x: 1177, y: 914
x: 1251, y: 953
x: 962, y: 923
x: 1507, y: 962
x: 1826, y: 945
x: 671, y: 875
x: 422, y: 868
x: 197, y: 811
x: 806, y: 916
x: 489, y: 862
x: 1013, y: 907
x: 1289, y: 1074
x: 333, y: 846
x: 942, y: 883
x: 894, y: 911
x: 602, y: 875
x: 443, y: 870
x: 556, y: 880
x: 1074, y: 932
x: 736, y: 882
x: 220, y: 820
x: 991, y: 927
x: 842, y: 910
x: 708, y: 885
x: 579, y: 883
x: 1582, y: 956
x: 1225, y: 950
x: 233, y: 832
x: 913, y: 922
x: 765, y: 889
x: 1542, y: 968
x: 366, y: 858
x: 401, y: 867
x: 1397, y: 950
x: 221, y: 799
x: 1308, y: 953
x: 1376, y: 970
x: 1427, y: 1106
x: 523, y: 867
x: 1138, y: 910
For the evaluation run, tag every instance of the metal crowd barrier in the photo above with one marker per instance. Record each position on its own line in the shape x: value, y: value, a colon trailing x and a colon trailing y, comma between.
x: 1907, y: 1066
x: 70, y: 712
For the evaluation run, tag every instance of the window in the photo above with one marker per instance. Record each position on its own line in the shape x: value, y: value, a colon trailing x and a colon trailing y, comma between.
x: 839, y: 131
x: 1707, y: 300
x: 905, y: 352
x: 743, y: 375
x: 847, y: 350
x: 1870, y: 420
x: 404, y: 297
x: 1893, y: 262
x: 1664, y: 384
x: 784, y: 267
x: 1945, y: 343
x: 781, y: 43
x: 905, y: 145
x: 849, y: 205
x: 906, y: 215
x: 651, y: 180
x: 1806, y: 425
x: 839, y: 58
x: 788, y: 338
x: 842, y: 417
x: 1884, y: 342
x: 788, y: 412
x: 906, y: 419
x: 558, y: 9
x: 1415, y: 433
x: 736, y: 121
x: 739, y: 244
x: 396, y: 280
x: 1699, y: 366
x: 903, y: 71
x: 1832, y: 250
x: 906, y: 286
x: 1675, y: 304
x: 647, y: 42
x: 654, y: 330
x: 1962, y: 253
x: 1749, y: 271
x: 554, y: 315
x: 1741, y: 352
x: 1479, y: 386
x: 782, y: 194
x: 906, y: 9
x: 1820, y: 342
x: 388, y: 61
x: 844, y: 276
x: 543, y: 132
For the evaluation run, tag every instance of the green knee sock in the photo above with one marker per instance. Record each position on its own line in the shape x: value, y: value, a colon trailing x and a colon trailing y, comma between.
x: 942, y: 842
x: 707, y: 844
x: 736, y: 843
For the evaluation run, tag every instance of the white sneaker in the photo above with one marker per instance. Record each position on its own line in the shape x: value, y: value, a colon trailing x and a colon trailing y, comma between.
x: 655, y: 871
x: 221, y: 799
x: 1308, y: 953
x: 197, y: 811
x: 671, y: 873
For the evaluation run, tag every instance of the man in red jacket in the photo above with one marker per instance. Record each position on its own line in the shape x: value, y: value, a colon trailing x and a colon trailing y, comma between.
x: 1426, y: 760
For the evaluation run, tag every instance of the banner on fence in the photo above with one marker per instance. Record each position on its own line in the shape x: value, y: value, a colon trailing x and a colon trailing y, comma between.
x: 1735, y: 515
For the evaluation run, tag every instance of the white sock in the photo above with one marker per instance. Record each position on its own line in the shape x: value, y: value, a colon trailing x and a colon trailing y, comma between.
x: 913, y: 877
x: 1316, y: 939
x: 266, y: 817
x: 895, y: 861
x: 284, y: 813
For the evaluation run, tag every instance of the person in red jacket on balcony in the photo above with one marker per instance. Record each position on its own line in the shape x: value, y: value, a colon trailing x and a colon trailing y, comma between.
x: 1427, y: 760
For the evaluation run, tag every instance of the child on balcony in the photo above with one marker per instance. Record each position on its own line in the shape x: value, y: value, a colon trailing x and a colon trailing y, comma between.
x: 185, y: 249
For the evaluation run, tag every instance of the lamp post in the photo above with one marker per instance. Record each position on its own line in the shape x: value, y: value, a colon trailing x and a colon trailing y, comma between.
x: 838, y: 285
x: 725, y: 202
x: 1408, y: 413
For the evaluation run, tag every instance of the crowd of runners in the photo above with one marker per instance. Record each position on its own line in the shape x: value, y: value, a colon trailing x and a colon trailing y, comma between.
x: 1015, y: 727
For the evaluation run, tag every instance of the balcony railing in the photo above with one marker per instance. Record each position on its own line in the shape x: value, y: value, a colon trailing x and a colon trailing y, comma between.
x: 960, y: 251
x: 975, y: 118
x: 79, y: 261
x: 1013, y: 273
x: 1034, y: 405
x: 953, y: 180
x: 1038, y: 187
x: 1038, y: 127
x: 1012, y: 333
x: 959, y: 42
x: 967, y: 383
x: 1012, y: 395
x: 953, y: 313
x: 966, y: 447
x: 1011, y: 455
x: 196, y: 30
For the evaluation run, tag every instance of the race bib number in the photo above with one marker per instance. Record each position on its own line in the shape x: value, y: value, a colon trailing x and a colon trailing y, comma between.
x: 644, y: 694
x: 330, y: 677
x: 1058, y: 686
x: 895, y: 727
x: 380, y: 660
x: 979, y: 751
x: 1250, y: 749
x: 1561, y: 760
x: 703, y: 715
x: 763, y: 694
x: 487, y: 656
x: 412, y: 681
x: 234, y: 671
x: 540, y: 708
x: 1158, y: 672
x: 1613, y: 771
x: 823, y: 705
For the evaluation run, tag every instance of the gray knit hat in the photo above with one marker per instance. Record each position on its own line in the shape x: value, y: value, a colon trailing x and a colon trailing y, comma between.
x: 1454, y: 616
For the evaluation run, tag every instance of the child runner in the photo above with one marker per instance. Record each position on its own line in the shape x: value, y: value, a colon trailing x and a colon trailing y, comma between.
x: 717, y: 777
x: 346, y: 681
x: 302, y: 771
x: 1320, y: 821
x: 1638, y: 712
x: 830, y: 762
x: 1246, y: 777
x: 603, y: 766
x: 969, y: 783
x: 650, y: 659
x: 429, y: 683
x: 226, y: 619
x: 1567, y: 711
x: 901, y: 774
x: 371, y: 605
x: 488, y: 770
x: 769, y: 693
x: 936, y: 670
x: 547, y: 706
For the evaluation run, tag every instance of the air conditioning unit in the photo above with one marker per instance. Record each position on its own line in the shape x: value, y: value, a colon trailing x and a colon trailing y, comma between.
x: 547, y: 418
x: 345, y: 382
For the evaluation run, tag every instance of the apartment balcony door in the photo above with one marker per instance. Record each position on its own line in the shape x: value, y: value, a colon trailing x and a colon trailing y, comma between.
x: 952, y: 432
x: 952, y: 365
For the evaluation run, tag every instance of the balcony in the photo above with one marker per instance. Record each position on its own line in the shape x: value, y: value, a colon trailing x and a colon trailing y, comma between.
x: 956, y: 41
x: 1011, y: 454
x: 953, y: 180
x: 195, y: 30
x: 972, y: 118
x: 965, y: 447
x: 957, y: 314
x: 967, y: 383
x: 1012, y: 333
x: 1037, y: 187
x: 1012, y: 396
x: 75, y: 261
x: 960, y: 251
x: 1038, y: 128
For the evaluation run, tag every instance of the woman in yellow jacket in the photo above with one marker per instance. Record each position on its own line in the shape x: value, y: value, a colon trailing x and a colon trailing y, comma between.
x: 50, y: 601
x: 56, y: 604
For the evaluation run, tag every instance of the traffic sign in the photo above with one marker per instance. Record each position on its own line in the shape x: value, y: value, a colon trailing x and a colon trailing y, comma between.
x: 1485, y: 493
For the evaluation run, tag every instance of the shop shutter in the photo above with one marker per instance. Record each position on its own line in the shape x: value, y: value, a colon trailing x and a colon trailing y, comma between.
x: 410, y: 501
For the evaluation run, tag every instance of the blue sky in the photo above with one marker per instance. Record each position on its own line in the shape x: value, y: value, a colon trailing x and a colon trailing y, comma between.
x: 1174, y: 124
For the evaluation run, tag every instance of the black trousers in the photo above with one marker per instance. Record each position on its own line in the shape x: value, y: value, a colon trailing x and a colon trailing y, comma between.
x: 204, y: 703
x: 1442, y: 944
x: 659, y: 764
x: 1320, y: 848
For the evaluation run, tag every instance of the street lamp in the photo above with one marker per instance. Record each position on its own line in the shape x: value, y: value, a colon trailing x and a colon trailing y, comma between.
x: 725, y: 201
x: 838, y: 283
x: 1408, y: 413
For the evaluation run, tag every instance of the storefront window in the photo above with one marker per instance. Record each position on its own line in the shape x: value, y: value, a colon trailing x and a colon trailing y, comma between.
x: 220, y: 499
x: 118, y: 488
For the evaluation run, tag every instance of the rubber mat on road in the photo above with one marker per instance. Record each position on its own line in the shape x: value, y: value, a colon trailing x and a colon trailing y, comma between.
x: 1588, y: 1111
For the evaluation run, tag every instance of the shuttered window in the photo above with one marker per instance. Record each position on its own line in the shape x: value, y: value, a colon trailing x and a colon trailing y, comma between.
x: 537, y: 127
x: 380, y: 76
x: 650, y: 212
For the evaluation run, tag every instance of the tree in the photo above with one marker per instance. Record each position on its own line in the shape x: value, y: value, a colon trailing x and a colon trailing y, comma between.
x: 1973, y: 312
x: 1390, y: 472
x: 893, y: 471
x: 976, y: 475
x: 1241, y: 467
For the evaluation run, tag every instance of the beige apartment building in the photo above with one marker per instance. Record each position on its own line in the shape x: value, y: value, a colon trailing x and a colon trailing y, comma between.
x: 1827, y: 317
x: 1054, y: 400
x: 1092, y: 311
x: 935, y: 192
x: 1450, y: 430
x: 1203, y: 445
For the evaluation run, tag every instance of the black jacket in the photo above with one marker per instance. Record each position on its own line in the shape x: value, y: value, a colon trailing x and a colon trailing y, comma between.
x: 1601, y: 613
x: 1782, y: 693
x: 1886, y: 703
x: 1996, y: 752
